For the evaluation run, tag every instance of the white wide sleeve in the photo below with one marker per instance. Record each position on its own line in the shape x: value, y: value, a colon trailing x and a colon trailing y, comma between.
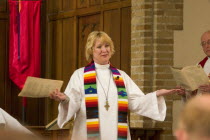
x: 11, y: 123
x: 2, y: 120
x: 73, y: 90
x: 148, y: 105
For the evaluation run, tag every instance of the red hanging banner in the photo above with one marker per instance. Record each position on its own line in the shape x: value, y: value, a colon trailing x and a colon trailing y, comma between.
x: 24, y: 40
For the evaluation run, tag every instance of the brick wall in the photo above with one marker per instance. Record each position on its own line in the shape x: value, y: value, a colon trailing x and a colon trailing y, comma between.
x: 152, y: 25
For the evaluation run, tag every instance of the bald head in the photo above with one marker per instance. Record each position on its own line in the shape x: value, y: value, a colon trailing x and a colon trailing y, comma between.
x: 195, y: 117
x: 205, y: 33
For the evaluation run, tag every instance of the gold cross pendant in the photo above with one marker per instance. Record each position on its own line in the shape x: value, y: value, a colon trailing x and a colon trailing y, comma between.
x: 107, y: 105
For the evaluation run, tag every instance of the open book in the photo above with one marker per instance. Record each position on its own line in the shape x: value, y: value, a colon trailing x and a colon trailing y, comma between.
x: 54, y: 126
x: 190, y: 77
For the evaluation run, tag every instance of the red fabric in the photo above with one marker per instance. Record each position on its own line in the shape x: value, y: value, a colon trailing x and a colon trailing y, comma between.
x: 24, y: 41
x: 202, y: 63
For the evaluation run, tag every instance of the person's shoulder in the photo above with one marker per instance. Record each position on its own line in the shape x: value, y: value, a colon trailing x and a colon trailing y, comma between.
x: 78, y: 73
x: 80, y: 69
x: 204, y: 59
x: 1, y: 110
x: 123, y: 73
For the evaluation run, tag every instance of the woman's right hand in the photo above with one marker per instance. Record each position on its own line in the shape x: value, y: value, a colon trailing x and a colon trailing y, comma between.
x: 58, y: 96
x: 205, y: 88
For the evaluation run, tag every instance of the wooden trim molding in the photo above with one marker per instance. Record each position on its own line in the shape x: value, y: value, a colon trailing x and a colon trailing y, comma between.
x: 86, y: 11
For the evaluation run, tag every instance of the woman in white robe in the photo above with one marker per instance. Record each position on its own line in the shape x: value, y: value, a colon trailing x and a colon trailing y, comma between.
x: 72, y: 101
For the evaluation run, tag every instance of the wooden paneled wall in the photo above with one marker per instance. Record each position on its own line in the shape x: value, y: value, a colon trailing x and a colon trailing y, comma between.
x: 3, y: 54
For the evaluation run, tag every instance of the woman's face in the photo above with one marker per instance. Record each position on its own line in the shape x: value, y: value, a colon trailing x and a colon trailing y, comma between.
x: 101, y: 52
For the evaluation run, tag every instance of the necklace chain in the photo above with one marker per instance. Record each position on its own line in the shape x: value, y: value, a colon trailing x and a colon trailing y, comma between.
x: 106, y: 94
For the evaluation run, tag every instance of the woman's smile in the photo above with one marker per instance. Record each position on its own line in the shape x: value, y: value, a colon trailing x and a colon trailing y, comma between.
x: 101, y: 52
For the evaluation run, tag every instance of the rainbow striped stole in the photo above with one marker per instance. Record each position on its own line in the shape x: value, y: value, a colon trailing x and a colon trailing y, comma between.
x: 122, y: 104
x: 91, y: 101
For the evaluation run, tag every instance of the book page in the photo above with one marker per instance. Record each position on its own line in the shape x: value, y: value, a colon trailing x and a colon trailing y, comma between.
x: 39, y: 87
x: 54, y: 126
x: 180, y: 78
x: 190, y: 77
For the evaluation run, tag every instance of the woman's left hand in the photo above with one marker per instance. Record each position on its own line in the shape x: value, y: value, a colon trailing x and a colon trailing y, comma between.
x: 163, y: 92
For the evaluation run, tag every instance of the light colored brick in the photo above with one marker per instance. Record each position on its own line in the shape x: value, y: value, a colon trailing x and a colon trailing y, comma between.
x: 164, y: 47
x: 159, y: 12
x: 163, y: 76
x: 167, y: 54
x: 163, y: 124
x: 179, y: 6
x: 164, y: 41
x: 173, y: 12
x: 152, y: 52
x: 164, y: 34
x: 164, y: 5
x: 164, y: 62
x: 144, y: 27
x: 174, y: 27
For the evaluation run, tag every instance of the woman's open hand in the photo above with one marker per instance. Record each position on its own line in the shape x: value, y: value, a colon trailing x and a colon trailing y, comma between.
x: 163, y: 92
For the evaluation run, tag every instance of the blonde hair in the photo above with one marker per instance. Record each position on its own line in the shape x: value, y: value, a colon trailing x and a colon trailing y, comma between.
x: 195, y: 116
x: 92, y: 37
